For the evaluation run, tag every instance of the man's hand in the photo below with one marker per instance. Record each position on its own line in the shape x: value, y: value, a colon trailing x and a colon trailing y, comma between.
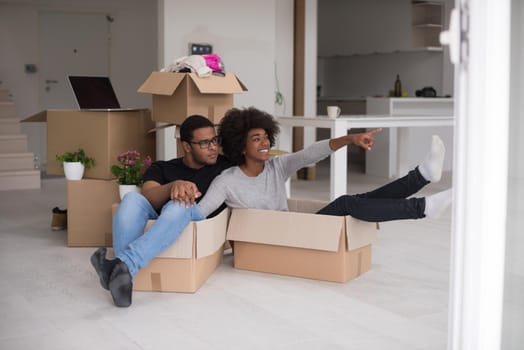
x: 365, y: 139
x: 184, y: 192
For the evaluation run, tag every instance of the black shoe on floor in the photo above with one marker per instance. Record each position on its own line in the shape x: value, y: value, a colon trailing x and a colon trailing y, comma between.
x: 103, y: 267
x: 58, y: 219
x: 121, y: 284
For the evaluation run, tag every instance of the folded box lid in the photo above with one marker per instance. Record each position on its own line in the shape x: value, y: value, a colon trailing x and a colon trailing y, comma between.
x: 299, y: 229
x: 289, y: 229
x: 211, y: 234
x: 207, y: 235
x: 359, y: 233
x: 165, y: 83
x: 38, y: 117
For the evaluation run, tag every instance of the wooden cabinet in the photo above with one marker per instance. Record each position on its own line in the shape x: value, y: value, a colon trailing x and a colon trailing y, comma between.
x: 427, y: 23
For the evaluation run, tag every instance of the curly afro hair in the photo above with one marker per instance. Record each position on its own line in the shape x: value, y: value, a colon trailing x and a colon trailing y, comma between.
x: 235, y: 125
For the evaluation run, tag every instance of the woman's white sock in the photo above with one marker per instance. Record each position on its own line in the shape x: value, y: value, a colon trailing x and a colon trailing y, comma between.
x: 437, y: 203
x: 431, y: 167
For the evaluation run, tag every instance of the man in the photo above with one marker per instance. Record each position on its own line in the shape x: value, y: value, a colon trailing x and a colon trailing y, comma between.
x: 183, y: 179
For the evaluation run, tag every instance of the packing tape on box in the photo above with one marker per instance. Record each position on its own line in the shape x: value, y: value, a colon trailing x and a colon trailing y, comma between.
x: 109, y: 239
x: 359, y: 268
x: 156, y: 282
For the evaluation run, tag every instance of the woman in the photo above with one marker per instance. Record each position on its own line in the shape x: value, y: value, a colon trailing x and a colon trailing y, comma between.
x: 257, y: 181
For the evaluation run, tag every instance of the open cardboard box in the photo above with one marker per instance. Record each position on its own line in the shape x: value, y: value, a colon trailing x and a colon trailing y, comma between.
x: 301, y: 243
x: 187, y: 263
x: 179, y: 95
x: 89, y: 220
x: 102, y: 134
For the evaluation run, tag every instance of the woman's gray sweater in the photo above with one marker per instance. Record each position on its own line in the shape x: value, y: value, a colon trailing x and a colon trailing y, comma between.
x: 265, y: 191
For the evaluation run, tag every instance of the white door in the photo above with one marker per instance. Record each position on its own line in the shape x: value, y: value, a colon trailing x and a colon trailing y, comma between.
x: 513, y: 307
x: 70, y: 44
x: 481, y: 54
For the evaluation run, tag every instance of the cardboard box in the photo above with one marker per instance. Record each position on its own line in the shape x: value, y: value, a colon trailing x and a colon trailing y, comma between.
x: 89, y: 220
x: 178, y: 95
x: 300, y: 243
x: 188, y: 263
x: 102, y: 134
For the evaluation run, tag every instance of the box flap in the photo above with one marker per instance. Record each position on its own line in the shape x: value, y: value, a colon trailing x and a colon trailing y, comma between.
x: 300, y: 230
x: 160, y: 83
x: 182, y: 248
x: 229, y: 84
x: 305, y: 205
x: 38, y: 117
x: 244, y: 87
x: 211, y: 234
x: 161, y: 127
x: 360, y: 233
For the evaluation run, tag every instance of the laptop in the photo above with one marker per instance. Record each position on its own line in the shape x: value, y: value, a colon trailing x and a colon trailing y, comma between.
x: 95, y: 94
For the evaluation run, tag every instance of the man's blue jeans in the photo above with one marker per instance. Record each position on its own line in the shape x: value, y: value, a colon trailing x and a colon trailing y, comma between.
x: 137, y: 249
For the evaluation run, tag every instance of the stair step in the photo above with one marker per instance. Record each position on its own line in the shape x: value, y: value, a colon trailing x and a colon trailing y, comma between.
x: 10, y: 126
x: 19, y: 180
x: 5, y: 95
x: 13, y: 143
x: 7, y: 110
x: 17, y: 161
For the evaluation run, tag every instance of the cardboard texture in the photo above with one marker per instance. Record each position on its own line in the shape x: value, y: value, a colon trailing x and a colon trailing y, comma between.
x: 102, y: 134
x: 300, y: 243
x: 188, y: 263
x: 178, y: 95
x: 89, y: 217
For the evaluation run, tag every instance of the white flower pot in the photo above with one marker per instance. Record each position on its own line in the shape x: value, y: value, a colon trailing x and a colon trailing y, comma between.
x: 124, y: 189
x: 73, y: 170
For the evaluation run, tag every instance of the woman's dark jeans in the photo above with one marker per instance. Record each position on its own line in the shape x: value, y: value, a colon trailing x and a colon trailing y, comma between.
x: 385, y: 203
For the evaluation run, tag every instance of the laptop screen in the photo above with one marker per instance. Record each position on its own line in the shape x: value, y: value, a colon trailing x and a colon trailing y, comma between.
x: 94, y: 92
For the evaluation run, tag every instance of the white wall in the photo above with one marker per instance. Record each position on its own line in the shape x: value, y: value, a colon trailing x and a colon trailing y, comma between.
x: 253, y: 38
x: 513, y: 312
x: 133, y: 53
x: 244, y: 34
x: 133, y: 50
x: 284, y: 13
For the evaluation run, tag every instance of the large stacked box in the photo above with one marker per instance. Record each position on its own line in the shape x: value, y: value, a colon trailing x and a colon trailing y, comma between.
x: 89, y: 204
x: 103, y: 135
x: 300, y: 243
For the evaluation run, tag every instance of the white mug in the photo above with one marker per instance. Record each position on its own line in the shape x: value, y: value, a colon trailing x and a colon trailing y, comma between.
x: 333, y: 111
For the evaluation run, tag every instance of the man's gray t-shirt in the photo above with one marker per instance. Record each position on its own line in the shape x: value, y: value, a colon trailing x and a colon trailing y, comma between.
x: 265, y: 191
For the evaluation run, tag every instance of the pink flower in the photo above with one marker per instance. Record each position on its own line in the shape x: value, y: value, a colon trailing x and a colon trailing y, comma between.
x: 131, y: 168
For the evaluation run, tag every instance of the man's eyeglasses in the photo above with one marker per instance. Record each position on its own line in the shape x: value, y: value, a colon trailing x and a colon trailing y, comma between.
x: 204, y: 144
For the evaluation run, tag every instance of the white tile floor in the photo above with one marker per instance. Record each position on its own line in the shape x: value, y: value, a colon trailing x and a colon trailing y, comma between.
x: 51, y: 298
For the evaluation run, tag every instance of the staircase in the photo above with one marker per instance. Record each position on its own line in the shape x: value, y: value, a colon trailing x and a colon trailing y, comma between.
x: 16, y: 162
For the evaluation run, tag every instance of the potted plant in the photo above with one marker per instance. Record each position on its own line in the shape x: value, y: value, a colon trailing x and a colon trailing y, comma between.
x: 75, y: 163
x: 129, y: 171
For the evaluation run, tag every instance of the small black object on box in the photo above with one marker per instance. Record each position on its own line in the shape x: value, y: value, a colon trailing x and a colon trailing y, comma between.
x: 427, y: 91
